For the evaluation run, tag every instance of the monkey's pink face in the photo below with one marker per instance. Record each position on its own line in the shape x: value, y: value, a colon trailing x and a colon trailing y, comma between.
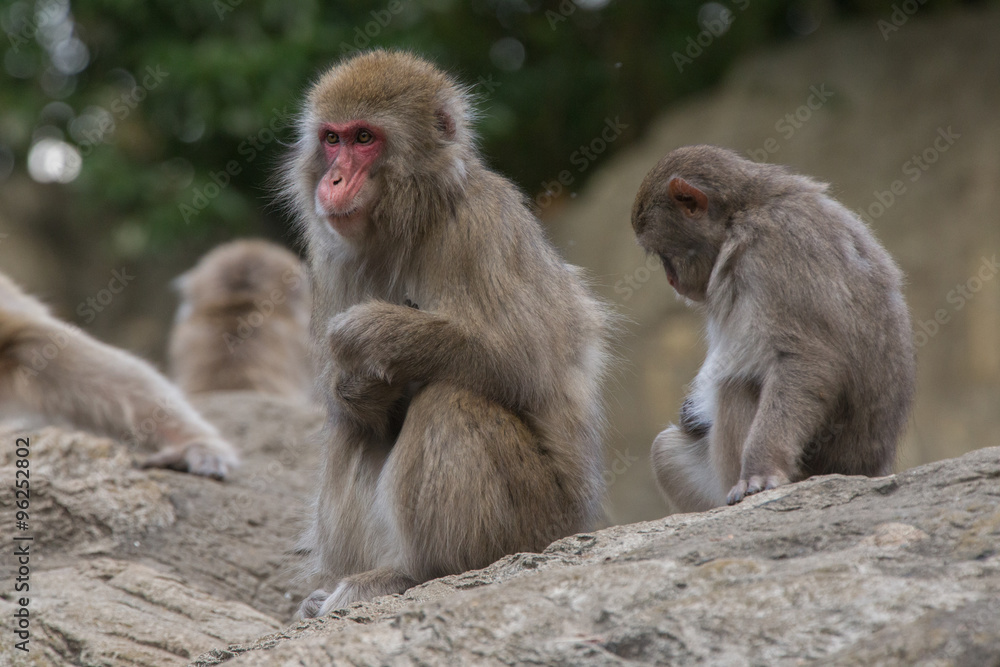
x: 342, y: 198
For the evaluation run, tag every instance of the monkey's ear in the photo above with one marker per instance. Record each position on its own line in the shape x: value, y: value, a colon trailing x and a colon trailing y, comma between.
x: 446, y: 123
x: 692, y: 201
x: 179, y: 284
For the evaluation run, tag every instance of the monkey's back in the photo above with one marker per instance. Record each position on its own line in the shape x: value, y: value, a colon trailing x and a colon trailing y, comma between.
x: 831, y: 290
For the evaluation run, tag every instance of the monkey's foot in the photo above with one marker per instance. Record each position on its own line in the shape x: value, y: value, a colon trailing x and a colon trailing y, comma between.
x: 755, y: 484
x: 311, y: 605
x: 356, y: 588
x: 210, y: 457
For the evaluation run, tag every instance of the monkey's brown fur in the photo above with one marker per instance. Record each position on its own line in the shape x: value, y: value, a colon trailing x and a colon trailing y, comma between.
x: 243, y: 322
x: 53, y: 369
x: 810, y: 366
x: 461, y: 355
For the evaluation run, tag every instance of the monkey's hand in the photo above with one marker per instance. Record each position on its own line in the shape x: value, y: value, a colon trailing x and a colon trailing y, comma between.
x: 208, y: 456
x: 366, y: 401
x: 751, y: 484
x: 392, y: 343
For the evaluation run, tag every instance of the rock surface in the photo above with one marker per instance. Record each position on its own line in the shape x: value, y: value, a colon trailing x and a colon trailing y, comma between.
x: 836, y: 570
x: 137, y: 567
x: 153, y: 567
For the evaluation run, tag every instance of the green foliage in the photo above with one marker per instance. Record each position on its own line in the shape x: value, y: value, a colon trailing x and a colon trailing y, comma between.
x: 202, y: 92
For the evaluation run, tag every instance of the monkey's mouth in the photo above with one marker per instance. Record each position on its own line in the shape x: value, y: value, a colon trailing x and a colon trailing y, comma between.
x: 669, y: 269
x: 334, y: 216
x: 339, y: 220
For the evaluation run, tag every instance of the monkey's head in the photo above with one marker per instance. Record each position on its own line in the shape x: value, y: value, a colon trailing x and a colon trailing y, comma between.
x: 245, y: 274
x: 683, y: 210
x: 384, y: 140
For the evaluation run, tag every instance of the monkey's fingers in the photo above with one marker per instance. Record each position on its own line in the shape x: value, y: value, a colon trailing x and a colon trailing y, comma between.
x: 208, y: 458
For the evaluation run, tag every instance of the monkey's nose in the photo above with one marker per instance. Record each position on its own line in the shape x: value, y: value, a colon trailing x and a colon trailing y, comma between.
x: 337, y: 182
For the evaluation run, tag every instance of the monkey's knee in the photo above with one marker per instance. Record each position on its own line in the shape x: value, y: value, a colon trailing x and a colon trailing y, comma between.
x: 471, y: 484
x: 684, y: 471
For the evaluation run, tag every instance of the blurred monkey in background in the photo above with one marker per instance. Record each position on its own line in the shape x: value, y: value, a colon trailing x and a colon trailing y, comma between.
x: 243, y: 322
x: 55, y: 370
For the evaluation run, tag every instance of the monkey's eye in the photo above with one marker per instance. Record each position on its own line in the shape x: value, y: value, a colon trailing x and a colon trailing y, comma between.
x: 365, y: 137
x: 331, y: 138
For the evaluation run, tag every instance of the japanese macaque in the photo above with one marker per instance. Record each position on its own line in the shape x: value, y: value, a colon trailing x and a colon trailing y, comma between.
x: 243, y: 322
x: 56, y: 371
x: 461, y: 356
x: 810, y: 367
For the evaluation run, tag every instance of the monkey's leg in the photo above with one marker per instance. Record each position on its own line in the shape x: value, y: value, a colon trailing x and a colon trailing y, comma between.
x: 470, y: 483
x: 795, y: 400
x: 363, y: 586
x: 736, y: 407
x: 467, y: 483
x: 105, y: 390
x: 685, y: 472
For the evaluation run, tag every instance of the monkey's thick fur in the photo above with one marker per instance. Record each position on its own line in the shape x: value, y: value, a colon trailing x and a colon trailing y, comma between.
x: 54, y: 369
x: 810, y: 366
x: 243, y: 322
x: 461, y: 356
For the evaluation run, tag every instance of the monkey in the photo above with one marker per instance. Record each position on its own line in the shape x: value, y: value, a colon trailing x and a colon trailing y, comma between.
x: 460, y: 356
x: 56, y: 371
x: 810, y: 367
x: 243, y: 323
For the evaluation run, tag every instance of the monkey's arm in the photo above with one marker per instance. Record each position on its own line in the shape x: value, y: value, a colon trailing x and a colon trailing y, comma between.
x: 795, y: 399
x: 398, y: 344
x: 59, y: 371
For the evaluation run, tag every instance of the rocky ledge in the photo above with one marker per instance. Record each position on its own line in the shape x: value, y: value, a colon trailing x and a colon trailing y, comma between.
x: 900, y: 570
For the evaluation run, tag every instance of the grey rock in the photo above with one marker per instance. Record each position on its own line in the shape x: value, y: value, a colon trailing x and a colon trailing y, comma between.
x: 109, y: 612
x: 153, y: 567
x: 835, y: 570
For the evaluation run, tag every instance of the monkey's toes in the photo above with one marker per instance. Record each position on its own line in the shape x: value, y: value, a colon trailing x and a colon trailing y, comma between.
x: 756, y: 484
x: 311, y: 605
x: 207, y: 459
x: 737, y: 493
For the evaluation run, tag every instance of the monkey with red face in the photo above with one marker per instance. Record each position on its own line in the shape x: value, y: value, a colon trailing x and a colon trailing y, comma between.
x: 461, y: 357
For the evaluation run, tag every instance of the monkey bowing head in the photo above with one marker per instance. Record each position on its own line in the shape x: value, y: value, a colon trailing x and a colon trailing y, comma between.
x: 672, y: 220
